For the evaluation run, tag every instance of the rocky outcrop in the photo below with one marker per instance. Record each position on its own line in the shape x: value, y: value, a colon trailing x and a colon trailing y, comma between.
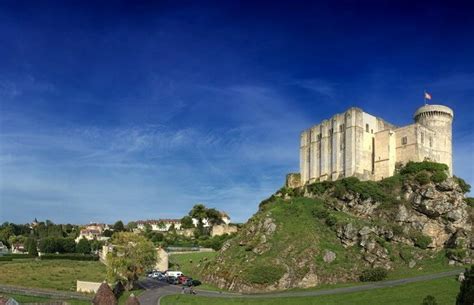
x: 416, y: 222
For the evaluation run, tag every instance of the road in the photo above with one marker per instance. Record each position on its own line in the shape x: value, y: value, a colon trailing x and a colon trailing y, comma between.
x: 155, y: 290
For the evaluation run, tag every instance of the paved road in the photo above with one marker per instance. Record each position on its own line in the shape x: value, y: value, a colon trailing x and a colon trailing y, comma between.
x: 156, y: 290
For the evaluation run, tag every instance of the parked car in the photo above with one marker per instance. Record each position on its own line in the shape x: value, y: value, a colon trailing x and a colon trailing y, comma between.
x: 173, y: 280
x: 157, y: 275
x: 190, y: 282
x: 182, y: 279
x: 173, y: 273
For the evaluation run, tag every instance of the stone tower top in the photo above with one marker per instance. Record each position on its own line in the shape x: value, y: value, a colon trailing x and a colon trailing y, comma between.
x: 433, y: 110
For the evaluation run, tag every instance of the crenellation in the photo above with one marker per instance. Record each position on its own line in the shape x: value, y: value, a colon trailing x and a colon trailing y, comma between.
x: 356, y: 143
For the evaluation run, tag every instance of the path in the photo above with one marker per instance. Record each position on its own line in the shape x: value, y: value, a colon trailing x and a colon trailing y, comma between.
x: 156, y: 290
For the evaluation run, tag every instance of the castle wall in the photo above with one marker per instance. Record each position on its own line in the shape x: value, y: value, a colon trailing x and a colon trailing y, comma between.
x: 355, y: 143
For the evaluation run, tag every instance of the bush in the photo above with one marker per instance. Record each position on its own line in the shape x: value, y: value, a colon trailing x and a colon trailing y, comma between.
x: 429, y: 300
x: 74, y: 257
x: 421, y: 241
x: 265, y: 274
x: 465, y: 187
x: 466, y: 292
x: 331, y: 220
x: 422, y: 178
x: 416, y: 167
x: 469, y: 201
x: 6, y: 258
x: 406, y: 255
x: 373, y: 275
x: 438, y: 177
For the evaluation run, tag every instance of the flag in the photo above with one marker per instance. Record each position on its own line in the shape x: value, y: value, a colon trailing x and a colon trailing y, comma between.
x: 427, y: 96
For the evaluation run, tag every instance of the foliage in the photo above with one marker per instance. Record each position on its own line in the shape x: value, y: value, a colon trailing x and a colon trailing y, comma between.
x: 131, y: 225
x: 429, y: 300
x: 187, y: 222
x: 70, y: 256
x: 59, y: 245
x: 118, y: 226
x: 108, y: 233
x: 416, y: 167
x: 465, y: 187
x: 264, y: 274
x: 421, y: 241
x: 83, y: 246
x: 31, y: 245
x: 439, y: 177
x: 470, y: 201
x: 466, y: 292
x: 373, y: 275
x: 131, y: 256
x: 215, y: 242
x: 6, y: 258
x: 422, y: 178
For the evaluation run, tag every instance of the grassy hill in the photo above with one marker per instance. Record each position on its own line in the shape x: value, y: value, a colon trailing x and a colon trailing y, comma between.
x: 333, y: 232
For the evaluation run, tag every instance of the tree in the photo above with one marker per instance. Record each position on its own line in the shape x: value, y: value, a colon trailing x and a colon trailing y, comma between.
x: 108, y: 233
x: 119, y: 227
x: 198, y: 212
x: 214, y: 217
x: 83, y: 246
x: 131, y: 256
x: 187, y: 222
x: 131, y: 225
x: 466, y: 293
x: 31, y: 245
x: 429, y: 300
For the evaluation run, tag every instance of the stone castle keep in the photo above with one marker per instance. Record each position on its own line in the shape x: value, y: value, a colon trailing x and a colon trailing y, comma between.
x: 355, y: 143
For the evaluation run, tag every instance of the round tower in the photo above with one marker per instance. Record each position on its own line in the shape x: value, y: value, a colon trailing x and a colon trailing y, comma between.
x: 437, y: 118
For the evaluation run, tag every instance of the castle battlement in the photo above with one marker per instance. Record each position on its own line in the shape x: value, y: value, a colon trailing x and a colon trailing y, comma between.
x: 356, y: 143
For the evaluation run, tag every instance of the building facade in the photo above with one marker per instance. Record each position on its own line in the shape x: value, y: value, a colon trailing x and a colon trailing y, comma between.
x: 355, y: 143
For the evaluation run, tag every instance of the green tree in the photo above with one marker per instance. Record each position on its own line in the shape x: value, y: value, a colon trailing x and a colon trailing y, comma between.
x: 187, y: 222
x: 131, y: 256
x: 131, y: 225
x: 31, y: 245
x: 466, y: 293
x: 214, y: 217
x: 198, y: 212
x: 119, y: 227
x: 83, y: 246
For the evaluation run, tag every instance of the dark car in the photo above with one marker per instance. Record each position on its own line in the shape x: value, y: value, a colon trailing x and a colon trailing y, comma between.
x: 190, y: 282
x: 173, y: 280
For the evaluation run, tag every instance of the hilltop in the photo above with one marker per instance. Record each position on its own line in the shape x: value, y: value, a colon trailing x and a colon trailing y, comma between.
x: 332, y: 232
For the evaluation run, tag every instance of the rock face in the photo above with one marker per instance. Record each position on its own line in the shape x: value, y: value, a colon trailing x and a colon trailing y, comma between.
x: 283, y: 247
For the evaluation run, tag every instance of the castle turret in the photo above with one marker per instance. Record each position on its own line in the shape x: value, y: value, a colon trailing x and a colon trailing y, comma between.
x: 439, y: 119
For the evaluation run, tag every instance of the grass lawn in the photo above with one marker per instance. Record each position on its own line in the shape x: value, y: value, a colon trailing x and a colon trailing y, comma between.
x: 33, y: 299
x: 190, y: 264
x: 444, y: 290
x: 50, y: 274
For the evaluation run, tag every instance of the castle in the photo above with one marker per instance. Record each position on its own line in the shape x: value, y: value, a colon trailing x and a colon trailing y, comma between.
x: 355, y: 143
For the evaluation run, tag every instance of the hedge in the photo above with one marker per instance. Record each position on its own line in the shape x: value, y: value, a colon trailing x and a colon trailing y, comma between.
x: 373, y: 275
x: 76, y: 257
x: 6, y: 258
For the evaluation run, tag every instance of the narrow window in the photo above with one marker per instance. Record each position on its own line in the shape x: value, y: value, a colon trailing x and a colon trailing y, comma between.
x: 431, y: 142
x: 404, y: 141
x: 422, y: 138
x: 366, y: 127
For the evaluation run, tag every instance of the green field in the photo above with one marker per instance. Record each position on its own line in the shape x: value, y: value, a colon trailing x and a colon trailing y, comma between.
x: 444, y: 290
x: 50, y: 274
x: 33, y: 299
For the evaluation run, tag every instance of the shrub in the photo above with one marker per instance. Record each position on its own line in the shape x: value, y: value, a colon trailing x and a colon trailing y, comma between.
x: 438, y: 177
x: 456, y: 253
x: 6, y: 258
x: 469, y: 201
x: 264, y: 274
x: 422, y: 178
x: 465, y: 187
x: 406, y: 255
x: 429, y: 300
x: 75, y: 257
x: 320, y: 213
x: 421, y: 241
x: 331, y: 220
x: 466, y: 292
x: 373, y: 275
x: 416, y: 167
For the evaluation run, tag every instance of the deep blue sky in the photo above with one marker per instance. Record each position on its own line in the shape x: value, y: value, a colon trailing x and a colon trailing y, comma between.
x: 128, y: 110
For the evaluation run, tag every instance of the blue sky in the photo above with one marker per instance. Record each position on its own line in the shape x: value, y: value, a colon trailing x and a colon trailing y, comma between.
x: 131, y: 110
